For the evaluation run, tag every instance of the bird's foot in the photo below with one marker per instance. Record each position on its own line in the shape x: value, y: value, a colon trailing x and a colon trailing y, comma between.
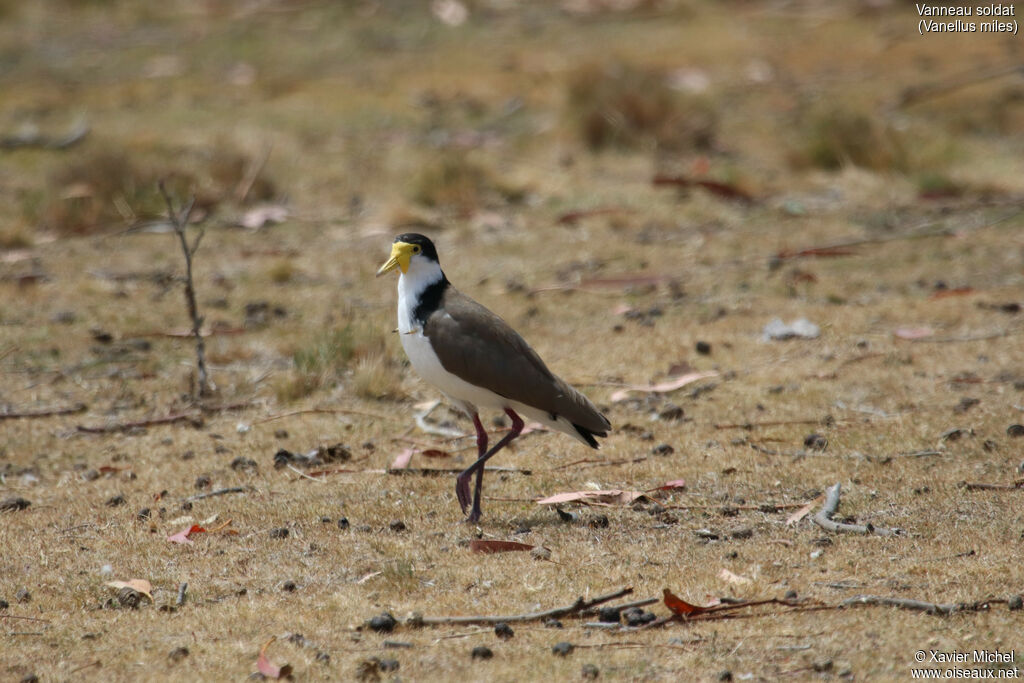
x: 474, y: 516
x: 462, y: 491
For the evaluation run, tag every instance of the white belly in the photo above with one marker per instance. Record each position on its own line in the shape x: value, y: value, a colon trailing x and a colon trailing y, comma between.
x: 466, y: 396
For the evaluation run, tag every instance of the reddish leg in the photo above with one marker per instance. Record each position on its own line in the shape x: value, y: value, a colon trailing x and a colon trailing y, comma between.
x: 462, y: 483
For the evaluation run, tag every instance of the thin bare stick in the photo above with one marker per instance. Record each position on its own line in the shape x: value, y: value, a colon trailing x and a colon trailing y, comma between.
x: 218, y: 492
x: 195, y: 419
x: 593, y: 462
x: 919, y: 605
x: 251, y: 174
x: 764, y: 507
x: 625, y: 606
x: 302, y: 474
x: 324, y: 411
x: 438, y: 471
x: 1017, y: 485
x: 15, y: 616
x: 579, y: 606
x: 179, y: 221
x: 823, y: 518
x: 44, y: 412
x: 768, y: 423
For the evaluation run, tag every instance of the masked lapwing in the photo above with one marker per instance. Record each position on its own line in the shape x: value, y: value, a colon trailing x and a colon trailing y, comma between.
x: 478, y: 361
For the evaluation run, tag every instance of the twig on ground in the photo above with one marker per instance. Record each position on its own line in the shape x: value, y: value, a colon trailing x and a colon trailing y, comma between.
x: 324, y: 411
x: 768, y: 423
x: 302, y: 474
x: 17, y: 616
x: 180, y: 600
x: 764, y: 507
x: 218, y: 492
x: 624, y: 606
x: 179, y: 221
x: 438, y: 471
x: 195, y: 419
x: 823, y: 518
x: 1017, y: 485
x: 920, y: 605
x: 7, y: 414
x: 592, y: 462
x: 577, y: 607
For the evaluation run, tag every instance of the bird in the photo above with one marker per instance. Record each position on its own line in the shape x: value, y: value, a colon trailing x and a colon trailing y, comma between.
x: 479, y: 362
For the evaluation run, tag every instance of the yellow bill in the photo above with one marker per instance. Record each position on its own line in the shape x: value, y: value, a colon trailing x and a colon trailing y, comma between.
x: 401, y: 252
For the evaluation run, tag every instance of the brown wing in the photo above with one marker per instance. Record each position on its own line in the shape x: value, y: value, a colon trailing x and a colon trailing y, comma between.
x: 478, y: 346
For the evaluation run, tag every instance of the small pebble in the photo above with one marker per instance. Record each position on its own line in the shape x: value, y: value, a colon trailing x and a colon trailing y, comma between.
x: 663, y: 449
x: 742, y: 533
x: 725, y: 675
x: 4, y: 604
x: 1015, y: 602
x: 590, y: 671
x: 822, y: 666
x: 816, y: 442
x: 1015, y: 430
x: 790, y: 595
x: 280, y: 532
x: 552, y: 623
x: 326, y: 520
x: 323, y: 657
x: 143, y: 514
x: 397, y: 525
x: 635, y: 616
x: 116, y: 501
x: 383, y: 623
x: 609, y: 615
x: 481, y: 652
x: 289, y: 586
x: 562, y: 649
x: 186, y: 506
x: 247, y: 464
x: 30, y: 678
x: 202, y: 482
x: 388, y: 665
x: 129, y: 597
x: 703, y: 348
x: 280, y: 433
x: 13, y: 503
x: 599, y: 522
x: 177, y: 654
x: 566, y: 516
x: 503, y: 630
x: 343, y: 523
x: 23, y: 595
x: 671, y: 412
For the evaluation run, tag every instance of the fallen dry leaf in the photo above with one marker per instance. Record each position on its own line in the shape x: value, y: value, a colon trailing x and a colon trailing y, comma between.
x: 183, y: 536
x: 730, y: 577
x: 403, y: 459
x: 140, y: 586
x: 485, y: 546
x: 913, y: 332
x: 804, y: 511
x: 268, y: 668
x: 680, y: 606
x: 435, y: 453
x: 608, y: 497
x: 663, y: 387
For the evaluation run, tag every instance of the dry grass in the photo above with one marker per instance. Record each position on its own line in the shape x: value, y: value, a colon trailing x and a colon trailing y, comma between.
x: 302, y: 324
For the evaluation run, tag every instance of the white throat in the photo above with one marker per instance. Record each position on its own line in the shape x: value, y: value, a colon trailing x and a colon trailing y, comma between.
x: 421, y: 274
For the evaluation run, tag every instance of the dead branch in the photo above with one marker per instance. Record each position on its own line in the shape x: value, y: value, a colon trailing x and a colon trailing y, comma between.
x: 218, y: 492
x: 919, y: 605
x: 596, y: 462
x: 195, y: 419
x: 179, y: 221
x: 764, y: 507
x: 823, y: 518
x: 770, y: 423
x: 577, y: 607
x: 7, y: 414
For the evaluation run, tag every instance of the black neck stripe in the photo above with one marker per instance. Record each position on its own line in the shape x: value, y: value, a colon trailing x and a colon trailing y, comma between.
x: 430, y: 300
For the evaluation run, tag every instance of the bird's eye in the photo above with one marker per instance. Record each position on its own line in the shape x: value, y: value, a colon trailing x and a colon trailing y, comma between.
x: 416, y: 249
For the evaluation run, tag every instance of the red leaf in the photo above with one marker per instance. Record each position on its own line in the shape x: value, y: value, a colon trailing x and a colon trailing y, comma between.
x: 816, y: 251
x: 680, y: 606
x: 482, y: 546
x: 183, y: 536
x: 946, y: 293
x: 435, y: 453
x: 573, y: 217
x: 669, y: 485
x: 268, y: 668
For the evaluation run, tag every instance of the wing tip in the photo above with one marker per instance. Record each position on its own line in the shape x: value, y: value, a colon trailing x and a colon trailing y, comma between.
x: 589, y: 434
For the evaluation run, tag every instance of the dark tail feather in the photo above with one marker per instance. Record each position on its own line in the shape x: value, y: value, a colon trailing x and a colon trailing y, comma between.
x: 588, y: 435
